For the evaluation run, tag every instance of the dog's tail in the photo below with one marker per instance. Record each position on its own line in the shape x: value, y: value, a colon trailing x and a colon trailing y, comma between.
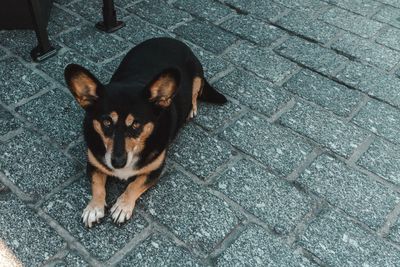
x: 209, y: 94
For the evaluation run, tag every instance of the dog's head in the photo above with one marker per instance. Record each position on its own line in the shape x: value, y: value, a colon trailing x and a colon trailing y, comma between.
x: 124, y: 119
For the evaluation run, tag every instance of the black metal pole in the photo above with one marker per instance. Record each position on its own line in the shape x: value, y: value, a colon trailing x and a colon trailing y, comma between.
x: 44, y: 49
x: 110, y: 22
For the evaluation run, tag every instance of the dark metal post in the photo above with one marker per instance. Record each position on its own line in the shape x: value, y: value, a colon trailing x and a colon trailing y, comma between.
x: 109, y: 23
x: 44, y: 49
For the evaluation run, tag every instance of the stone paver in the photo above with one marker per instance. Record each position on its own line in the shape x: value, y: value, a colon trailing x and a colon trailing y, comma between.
x: 7, y: 122
x: 388, y: 15
x: 263, y: 9
x: 208, y: 9
x: 390, y: 38
x: 72, y: 259
x: 362, y: 7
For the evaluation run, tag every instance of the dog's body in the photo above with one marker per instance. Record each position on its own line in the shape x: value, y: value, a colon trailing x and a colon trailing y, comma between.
x: 131, y: 121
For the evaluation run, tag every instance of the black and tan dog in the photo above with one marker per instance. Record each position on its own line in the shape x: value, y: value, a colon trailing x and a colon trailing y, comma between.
x: 131, y: 121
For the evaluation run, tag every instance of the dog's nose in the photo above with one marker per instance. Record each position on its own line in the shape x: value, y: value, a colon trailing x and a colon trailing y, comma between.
x: 118, y: 161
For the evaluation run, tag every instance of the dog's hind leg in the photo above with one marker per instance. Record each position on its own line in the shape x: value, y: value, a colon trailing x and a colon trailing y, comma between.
x: 196, y: 91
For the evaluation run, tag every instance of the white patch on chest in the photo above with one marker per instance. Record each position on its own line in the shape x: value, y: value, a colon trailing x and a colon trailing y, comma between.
x: 128, y: 171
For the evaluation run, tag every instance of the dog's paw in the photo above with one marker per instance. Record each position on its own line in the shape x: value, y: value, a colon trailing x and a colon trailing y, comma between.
x: 192, y: 114
x: 92, y: 214
x: 122, y: 209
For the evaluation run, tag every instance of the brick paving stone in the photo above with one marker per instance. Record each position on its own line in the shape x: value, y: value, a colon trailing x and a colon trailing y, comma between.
x: 362, y: 49
x: 207, y: 9
x: 354, y: 23
x: 25, y: 235
x: 72, y: 260
x: 160, y: 13
x: 389, y: 15
x: 311, y: 55
x: 123, y: 3
x: 371, y: 80
x: 206, y: 35
x: 390, y: 38
x: 266, y: 196
x: 263, y: 9
x: 104, y: 239
x: 252, y: 91
x: 197, y: 217
x: 391, y: 2
x: 54, y: 67
x: 20, y: 42
x: 93, y: 44
x: 264, y: 63
x: 61, y: 20
x: 18, y: 82
x: 79, y: 152
x: 382, y: 158
x: 34, y: 165
x: 275, y: 146
x: 394, y: 233
x: 362, y: 7
x: 198, y: 152
x: 323, y: 91
x: 157, y: 250
x: 211, y: 116
x: 304, y: 5
x: 380, y: 119
x: 255, y: 247
x: 2, y: 52
x: 253, y: 29
x: 302, y: 24
x: 92, y: 10
x: 324, y: 128
x: 350, y: 190
x: 7, y: 122
x: 136, y: 31
x: 337, y: 241
x: 57, y: 114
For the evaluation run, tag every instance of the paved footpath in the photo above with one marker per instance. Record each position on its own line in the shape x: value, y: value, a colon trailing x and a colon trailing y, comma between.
x: 300, y: 168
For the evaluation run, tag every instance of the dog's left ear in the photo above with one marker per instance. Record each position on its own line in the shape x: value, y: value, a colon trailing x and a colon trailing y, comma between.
x: 163, y: 88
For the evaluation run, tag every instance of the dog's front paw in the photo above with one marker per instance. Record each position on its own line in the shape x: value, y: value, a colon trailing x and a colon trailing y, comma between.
x: 92, y: 213
x: 122, y: 209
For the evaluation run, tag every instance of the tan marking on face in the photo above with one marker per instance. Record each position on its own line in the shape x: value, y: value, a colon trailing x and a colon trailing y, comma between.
x: 108, y: 142
x: 84, y: 89
x: 114, y: 116
x: 137, y: 144
x: 129, y: 120
x: 163, y: 89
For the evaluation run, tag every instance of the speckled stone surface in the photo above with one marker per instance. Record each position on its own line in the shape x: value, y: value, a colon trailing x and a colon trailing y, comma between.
x: 353, y: 192
x: 57, y: 114
x: 157, y: 250
x: 158, y: 13
x: 190, y: 211
x: 276, y: 147
x: 93, y: 44
x: 372, y: 53
x: 264, y: 195
x: 252, y: 91
x: 324, y: 92
x: 18, y: 82
x: 323, y: 127
x: 338, y: 241
x: 206, y: 35
x: 390, y: 38
x: 301, y: 23
x: 253, y: 29
x: 311, y: 55
x: 91, y: 10
x: 102, y: 240
x: 71, y: 260
x: 7, y: 122
x: 202, y: 158
x: 304, y: 5
x: 79, y: 152
x: 264, y: 9
x: 395, y: 231
x: 351, y: 22
x: 19, y: 237
x: 363, y: 7
x: 20, y: 42
x: 207, y: 9
x: 383, y: 158
x: 61, y: 20
x: 389, y: 15
x: 256, y: 247
x: 212, y: 64
x: 38, y: 169
x: 380, y: 118
x: 264, y: 63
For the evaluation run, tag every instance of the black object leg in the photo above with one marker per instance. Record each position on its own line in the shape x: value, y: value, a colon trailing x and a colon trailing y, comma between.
x: 44, y: 49
x: 109, y: 23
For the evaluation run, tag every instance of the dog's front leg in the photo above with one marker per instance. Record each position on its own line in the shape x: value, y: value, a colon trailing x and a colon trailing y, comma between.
x: 95, y: 209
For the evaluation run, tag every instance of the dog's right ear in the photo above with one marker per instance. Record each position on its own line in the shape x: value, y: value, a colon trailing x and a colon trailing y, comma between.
x: 82, y: 84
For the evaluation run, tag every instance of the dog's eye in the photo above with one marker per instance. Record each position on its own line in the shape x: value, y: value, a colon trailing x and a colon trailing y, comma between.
x: 106, y: 123
x: 135, y: 125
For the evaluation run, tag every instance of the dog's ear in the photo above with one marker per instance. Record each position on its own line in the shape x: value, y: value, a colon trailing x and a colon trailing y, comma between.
x: 163, y: 88
x: 82, y: 84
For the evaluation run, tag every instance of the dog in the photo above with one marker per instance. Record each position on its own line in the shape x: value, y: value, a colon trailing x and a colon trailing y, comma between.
x: 131, y: 121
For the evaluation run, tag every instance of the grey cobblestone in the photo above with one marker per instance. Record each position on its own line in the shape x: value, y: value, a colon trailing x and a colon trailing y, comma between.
x: 326, y: 129
x: 271, y: 199
x: 323, y: 91
x: 19, y: 42
x: 60, y: 20
x: 337, y: 241
x: 7, y: 122
x: 391, y: 2
x: 264, y: 63
x: 389, y: 15
x: 255, y: 247
x: 264, y: 9
x: 390, y: 38
x: 351, y: 191
x: 72, y: 260
x: 363, y: 7
x: 304, y: 5
x: 395, y: 231
x: 90, y: 10
x: 311, y: 55
x: 211, y: 63
x: 208, y: 9
x: 274, y: 146
x: 382, y: 158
